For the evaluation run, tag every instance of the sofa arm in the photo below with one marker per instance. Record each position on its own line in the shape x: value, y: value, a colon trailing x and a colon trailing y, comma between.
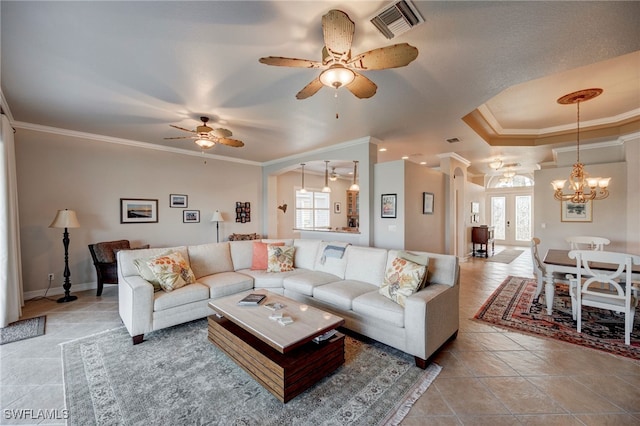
x: 431, y: 317
x: 135, y: 297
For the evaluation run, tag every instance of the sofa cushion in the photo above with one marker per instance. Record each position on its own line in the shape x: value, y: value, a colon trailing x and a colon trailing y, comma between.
x: 327, y: 259
x: 280, y: 259
x: 366, y: 264
x: 226, y: 283
x: 284, y: 241
x: 260, y: 258
x: 375, y: 305
x: 145, y: 271
x: 171, y: 270
x: 126, y: 258
x: 305, y: 282
x: 402, y: 279
x: 241, y: 254
x: 420, y: 259
x: 306, y: 251
x: 264, y: 279
x: 342, y: 293
x: 207, y: 259
x: 181, y: 296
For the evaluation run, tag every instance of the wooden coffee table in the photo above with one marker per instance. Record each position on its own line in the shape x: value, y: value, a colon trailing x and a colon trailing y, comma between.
x: 283, y: 359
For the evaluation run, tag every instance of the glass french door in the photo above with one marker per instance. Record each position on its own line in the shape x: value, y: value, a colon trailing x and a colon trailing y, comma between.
x: 511, y: 217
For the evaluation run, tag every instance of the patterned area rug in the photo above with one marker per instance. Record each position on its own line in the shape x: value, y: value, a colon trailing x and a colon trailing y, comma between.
x: 178, y: 377
x: 505, y: 256
x: 512, y: 305
x: 23, y: 329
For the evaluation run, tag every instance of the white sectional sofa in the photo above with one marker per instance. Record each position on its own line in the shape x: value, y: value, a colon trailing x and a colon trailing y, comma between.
x: 347, y: 286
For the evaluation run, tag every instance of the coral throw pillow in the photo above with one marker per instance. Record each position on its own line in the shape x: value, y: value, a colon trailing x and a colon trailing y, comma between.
x: 171, y: 271
x: 280, y: 258
x: 260, y: 258
x: 402, y: 279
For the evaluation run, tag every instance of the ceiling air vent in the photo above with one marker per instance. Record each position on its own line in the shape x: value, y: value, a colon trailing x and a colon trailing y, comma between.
x: 397, y: 19
x: 453, y: 140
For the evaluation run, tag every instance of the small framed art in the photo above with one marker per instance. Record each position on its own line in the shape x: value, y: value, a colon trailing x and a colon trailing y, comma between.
x: 191, y: 216
x: 178, y: 201
x: 337, y: 207
x: 576, y: 212
x: 427, y: 203
x: 388, y: 206
x: 138, y: 210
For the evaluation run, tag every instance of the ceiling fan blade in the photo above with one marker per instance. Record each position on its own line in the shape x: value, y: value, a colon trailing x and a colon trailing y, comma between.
x: 231, y: 142
x: 221, y: 133
x: 182, y: 128
x: 398, y: 55
x: 338, y: 31
x: 181, y: 137
x: 279, y: 61
x: 362, y: 87
x: 310, y: 89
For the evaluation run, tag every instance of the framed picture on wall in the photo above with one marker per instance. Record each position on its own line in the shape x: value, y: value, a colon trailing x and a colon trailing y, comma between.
x: 427, y: 203
x: 138, y: 210
x: 337, y: 207
x: 576, y: 212
x: 388, y: 206
x: 178, y: 201
x: 191, y: 216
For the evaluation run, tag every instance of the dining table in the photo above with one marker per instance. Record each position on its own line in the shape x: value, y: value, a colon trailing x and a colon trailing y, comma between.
x: 557, y: 260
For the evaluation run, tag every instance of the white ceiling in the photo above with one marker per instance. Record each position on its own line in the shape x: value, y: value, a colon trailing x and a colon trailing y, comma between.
x: 129, y: 69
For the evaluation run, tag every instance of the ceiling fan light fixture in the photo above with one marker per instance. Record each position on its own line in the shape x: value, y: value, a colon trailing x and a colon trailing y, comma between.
x: 337, y: 75
x: 205, y: 143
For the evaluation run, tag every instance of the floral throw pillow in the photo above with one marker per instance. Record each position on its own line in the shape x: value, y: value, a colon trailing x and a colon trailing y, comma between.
x: 280, y: 258
x: 171, y: 271
x: 401, y: 280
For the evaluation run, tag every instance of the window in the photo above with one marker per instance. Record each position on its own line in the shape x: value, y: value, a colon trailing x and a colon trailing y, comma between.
x: 312, y: 209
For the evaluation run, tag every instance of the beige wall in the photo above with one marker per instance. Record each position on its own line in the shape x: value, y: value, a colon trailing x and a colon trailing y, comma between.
x: 288, y: 182
x: 58, y: 172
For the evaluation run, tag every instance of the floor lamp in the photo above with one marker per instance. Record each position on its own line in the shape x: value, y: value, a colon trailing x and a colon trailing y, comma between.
x: 217, y: 218
x: 66, y: 219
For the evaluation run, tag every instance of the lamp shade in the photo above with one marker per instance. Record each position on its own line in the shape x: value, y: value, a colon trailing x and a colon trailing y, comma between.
x: 65, y: 219
x: 217, y: 217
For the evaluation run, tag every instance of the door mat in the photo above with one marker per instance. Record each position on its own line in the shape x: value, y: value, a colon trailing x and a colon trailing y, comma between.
x: 505, y: 256
x: 23, y: 329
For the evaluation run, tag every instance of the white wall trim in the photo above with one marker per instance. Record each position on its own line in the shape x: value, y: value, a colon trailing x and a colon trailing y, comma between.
x: 128, y: 142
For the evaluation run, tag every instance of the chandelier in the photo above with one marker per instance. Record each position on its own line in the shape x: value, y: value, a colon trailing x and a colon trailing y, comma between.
x: 584, y: 188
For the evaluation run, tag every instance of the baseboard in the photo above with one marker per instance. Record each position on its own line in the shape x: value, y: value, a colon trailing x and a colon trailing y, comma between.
x: 58, y: 290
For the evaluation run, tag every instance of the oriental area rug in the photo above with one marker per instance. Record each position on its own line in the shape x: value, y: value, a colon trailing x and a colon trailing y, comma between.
x: 23, y: 329
x: 513, y: 306
x: 178, y: 377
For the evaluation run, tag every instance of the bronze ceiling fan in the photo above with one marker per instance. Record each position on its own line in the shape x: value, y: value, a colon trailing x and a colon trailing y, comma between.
x: 339, y: 68
x: 206, y: 137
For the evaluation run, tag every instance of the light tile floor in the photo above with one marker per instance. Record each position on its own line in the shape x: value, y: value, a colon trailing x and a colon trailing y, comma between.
x: 490, y: 376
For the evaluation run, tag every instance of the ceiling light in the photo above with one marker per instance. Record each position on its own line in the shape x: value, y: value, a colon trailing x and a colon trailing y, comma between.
x: 423, y: 163
x: 337, y: 75
x: 205, y: 143
x: 496, y: 164
x: 579, y: 180
x: 405, y: 157
x: 326, y: 177
x: 509, y: 174
x: 355, y: 186
x: 333, y: 176
x: 303, y: 190
x: 382, y: 149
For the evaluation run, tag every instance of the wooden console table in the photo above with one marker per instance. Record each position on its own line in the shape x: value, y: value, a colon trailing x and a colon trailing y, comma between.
x: 482, y: 235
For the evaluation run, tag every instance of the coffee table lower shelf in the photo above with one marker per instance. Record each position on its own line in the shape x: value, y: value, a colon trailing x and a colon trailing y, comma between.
x: 284, y: 375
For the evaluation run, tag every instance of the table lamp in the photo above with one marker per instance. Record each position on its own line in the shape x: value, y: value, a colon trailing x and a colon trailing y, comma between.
x: 217, y: 218
x: 66, y: 219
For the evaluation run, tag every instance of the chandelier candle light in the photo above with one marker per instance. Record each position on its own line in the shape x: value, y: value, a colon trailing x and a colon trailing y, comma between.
x: 579, y: 180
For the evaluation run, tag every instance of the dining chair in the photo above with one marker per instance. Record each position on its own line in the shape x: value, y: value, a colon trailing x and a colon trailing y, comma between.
x: 602, y: 289
x: 587, y: 243
x: 540, y: 271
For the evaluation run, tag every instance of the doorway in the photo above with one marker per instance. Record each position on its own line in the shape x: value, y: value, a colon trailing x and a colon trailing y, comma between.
x: 512, y: 217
